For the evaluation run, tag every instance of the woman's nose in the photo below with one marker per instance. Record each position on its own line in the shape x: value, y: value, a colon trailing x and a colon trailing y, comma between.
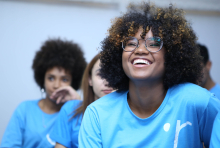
x: 56, y: 84
x: 141, y: 48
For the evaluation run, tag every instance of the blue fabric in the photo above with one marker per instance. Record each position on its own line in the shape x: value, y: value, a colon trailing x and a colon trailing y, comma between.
x: 215, y: 138
x: 66, y: 129
x: 29, y: 127
x: 216, y: 90
x: 183, y: 120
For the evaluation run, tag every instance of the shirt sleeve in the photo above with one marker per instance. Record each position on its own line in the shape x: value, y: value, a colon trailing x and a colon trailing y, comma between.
x: 215, y: 137
x: 90, y: 132
x: 207, y: 120
x: 13, y: 135
x: 62, y: 129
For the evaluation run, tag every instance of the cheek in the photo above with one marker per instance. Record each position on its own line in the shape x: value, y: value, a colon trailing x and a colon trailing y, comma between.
x: 162, y: 66
x: 98, y: 86
x: 96, y: 82
x: 66, y: 83
x: 46, y: 85
x: 159, y: 67
x: 47, y: 88
x: 125, y: 62
x: 161, y: 59
x: 161, y: 63
x: 96, y: 89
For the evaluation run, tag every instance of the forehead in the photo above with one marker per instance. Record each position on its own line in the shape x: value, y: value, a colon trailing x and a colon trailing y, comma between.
x: 139, y: 34
x: 57, y: 71
x: 96, y: 66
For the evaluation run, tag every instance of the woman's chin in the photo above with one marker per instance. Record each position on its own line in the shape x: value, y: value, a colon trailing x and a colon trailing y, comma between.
x: 52, y: 100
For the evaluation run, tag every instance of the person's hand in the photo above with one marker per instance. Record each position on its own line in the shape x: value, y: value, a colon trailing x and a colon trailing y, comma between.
x: 64, y: 94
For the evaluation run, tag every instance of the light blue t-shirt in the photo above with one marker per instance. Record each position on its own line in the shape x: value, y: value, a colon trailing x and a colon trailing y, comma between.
x: 29, y: 127
x: 215, y: 138
x: 66, y: 129
x: 216, y: 90
x: 183, y: 120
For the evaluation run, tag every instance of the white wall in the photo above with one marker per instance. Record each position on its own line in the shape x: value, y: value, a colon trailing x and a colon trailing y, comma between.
x: 24, y: 26
x: 207, y: 28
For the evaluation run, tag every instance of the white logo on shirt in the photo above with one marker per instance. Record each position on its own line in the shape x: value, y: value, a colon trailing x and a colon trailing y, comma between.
x: 50, y: 140
x: 178, y: 128
x: 166, y: 127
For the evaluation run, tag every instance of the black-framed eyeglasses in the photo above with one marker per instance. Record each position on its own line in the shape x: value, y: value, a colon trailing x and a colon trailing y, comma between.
x: 152, y: 44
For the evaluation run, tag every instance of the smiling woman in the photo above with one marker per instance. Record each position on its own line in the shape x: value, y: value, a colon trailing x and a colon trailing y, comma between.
x: 151, y: 59
x: 140, y: 64
x: 55, y: 65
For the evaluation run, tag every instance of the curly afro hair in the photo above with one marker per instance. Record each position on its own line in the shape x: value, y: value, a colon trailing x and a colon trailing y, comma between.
x: 58, y: 53
x: 182, y: 58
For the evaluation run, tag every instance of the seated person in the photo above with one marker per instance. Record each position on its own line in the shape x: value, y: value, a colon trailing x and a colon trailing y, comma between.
x: 150, y: 57
x: 57, y: 64
x: 207, y: 81
x: 66, y: 129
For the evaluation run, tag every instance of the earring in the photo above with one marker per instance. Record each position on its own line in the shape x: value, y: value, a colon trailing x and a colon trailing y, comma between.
x: 42, y: 93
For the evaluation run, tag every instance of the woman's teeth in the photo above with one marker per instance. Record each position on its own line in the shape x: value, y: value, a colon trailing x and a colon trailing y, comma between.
x: 141, y: 61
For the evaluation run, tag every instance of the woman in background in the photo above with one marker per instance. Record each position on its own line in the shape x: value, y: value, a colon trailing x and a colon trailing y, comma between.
x: 58, y: 63
x: 67, y: 126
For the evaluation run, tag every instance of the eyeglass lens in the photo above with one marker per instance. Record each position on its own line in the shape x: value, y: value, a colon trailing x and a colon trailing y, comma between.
x: 153, y: 44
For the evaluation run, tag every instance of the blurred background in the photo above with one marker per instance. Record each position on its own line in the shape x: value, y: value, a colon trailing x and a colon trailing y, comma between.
x: 26, y: 24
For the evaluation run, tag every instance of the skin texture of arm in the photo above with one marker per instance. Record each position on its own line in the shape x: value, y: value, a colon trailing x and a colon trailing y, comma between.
x: 64, y: 94
x: 59, y: 146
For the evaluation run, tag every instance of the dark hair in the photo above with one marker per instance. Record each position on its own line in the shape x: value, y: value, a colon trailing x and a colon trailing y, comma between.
x: 59, y: 53
x: 182, y: 59
x: 204, y: 53
x: 88, y: 93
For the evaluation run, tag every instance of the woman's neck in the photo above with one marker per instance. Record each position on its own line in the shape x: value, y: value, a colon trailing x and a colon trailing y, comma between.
x: 95, y: 97
x: 209, y: 83
x: 144, y: 99
x: 48, y: 106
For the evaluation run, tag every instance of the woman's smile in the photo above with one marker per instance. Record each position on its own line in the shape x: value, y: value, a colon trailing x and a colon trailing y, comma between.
x: 140, y: 62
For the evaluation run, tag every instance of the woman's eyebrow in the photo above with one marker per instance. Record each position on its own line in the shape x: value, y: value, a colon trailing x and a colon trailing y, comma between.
x: 65, y: 76
x: 50, y: 75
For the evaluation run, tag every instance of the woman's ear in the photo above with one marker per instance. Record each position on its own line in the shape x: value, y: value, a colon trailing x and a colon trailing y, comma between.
x: 90, y: 81
x: 208, y: 65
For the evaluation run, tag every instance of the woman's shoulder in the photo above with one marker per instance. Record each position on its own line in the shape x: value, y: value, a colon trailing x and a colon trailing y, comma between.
x: 71, y: 104
x: 28, y: 103
x: 192, y: 93
x: 109, y: 100
x: 190, y: 90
